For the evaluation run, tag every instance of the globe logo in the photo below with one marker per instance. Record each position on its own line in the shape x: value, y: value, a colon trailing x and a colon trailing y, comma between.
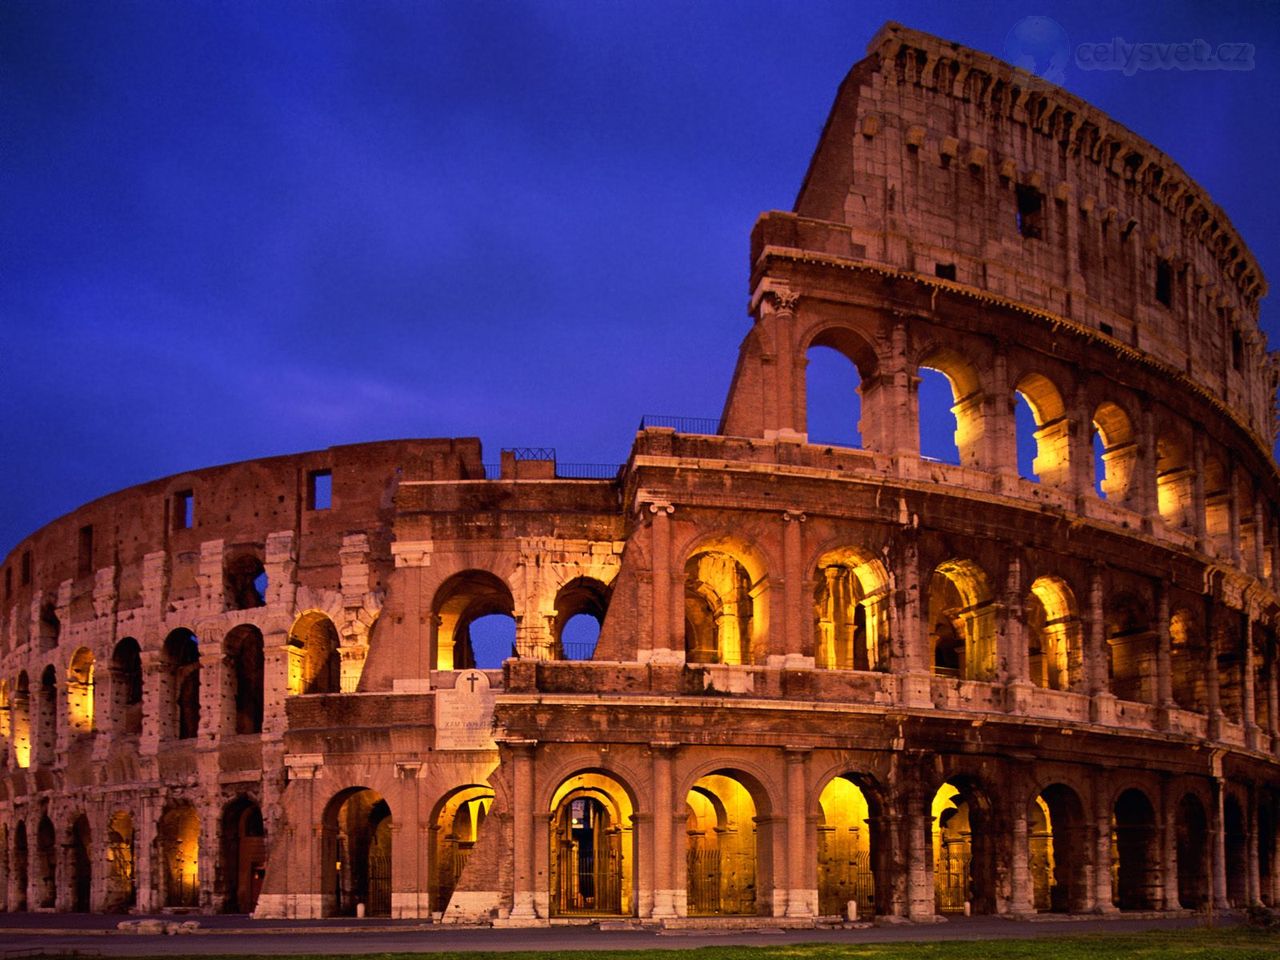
x: 1039, y: 46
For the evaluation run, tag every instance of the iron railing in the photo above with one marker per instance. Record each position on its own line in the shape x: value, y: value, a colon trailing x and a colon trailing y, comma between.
x: 703, y: 425
x: 587, y: 471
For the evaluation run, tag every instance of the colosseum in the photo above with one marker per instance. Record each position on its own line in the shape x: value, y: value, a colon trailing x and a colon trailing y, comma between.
x: 744, y: 674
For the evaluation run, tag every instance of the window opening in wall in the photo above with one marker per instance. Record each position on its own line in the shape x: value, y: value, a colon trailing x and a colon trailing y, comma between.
x: 833, y: 398
x: 1099, y: 466
x: 1030, y: 215
x: 320, y: 490
x: 1024, y: 424
x: 493, y: 639
x: 1107, y: 329
x: 937, y: 418
x: 946, y: 271
x: 184, y: 510
x: 86, y: 549
x: 26, y: 567
x: 1164, y: 282
x: 1237, y: 350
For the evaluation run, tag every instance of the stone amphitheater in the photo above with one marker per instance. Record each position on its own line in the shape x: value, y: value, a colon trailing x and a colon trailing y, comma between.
x: 744, y: 675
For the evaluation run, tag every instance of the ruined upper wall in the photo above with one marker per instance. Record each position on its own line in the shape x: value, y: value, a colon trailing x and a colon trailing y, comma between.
x: 101, y: 548
x: 950, y: 163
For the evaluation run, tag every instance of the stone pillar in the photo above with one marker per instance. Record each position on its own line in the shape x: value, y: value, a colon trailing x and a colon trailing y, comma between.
x: 1164, y: 656
x: 1212, y: 694
x: 156, y: 708
x: 1148, y: 497
x: 1218, y: 848
x: 910, y: 648
x: 1102, y: 847
x: 790, y: 389
x: 1102, y: 706
x: 1248, y: 699
x: 795, y: 643
x: 1198, y: 520
x: 214, y: 671
x: 802, y: 889
x: 1169, y: 844
x: 1253, y: 875
x: 663, y: 639
x: 917, y: 822
x: 1259, y: 558
x: 1233, y: 508
x: 523, y: 818
x: 1013, y: 653
x: 1021, y: 901
x: 1273, y: 700
x: 277, y: 661
x: 1003, y: 430
x: 144, y: 842
x: 665, y: 848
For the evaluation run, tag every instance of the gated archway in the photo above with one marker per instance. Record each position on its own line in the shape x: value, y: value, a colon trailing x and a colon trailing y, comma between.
x: 591, y: 835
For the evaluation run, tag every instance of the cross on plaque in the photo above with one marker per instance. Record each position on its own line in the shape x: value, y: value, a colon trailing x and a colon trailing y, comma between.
x: 472, y: 680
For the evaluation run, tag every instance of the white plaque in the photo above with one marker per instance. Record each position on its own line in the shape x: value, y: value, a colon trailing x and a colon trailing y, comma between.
x: 464, y: 715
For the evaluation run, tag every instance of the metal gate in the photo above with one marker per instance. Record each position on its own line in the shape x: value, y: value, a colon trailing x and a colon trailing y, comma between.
x: 703, y: 866
x: 587, y: 883
x: 844, y: 874
x: 379, y: 882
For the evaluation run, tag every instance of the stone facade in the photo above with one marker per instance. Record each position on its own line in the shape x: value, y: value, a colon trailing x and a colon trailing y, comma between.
x: 821, y: 674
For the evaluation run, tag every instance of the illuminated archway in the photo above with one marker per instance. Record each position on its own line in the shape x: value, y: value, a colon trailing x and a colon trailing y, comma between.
x: 180, y: 678
x: 80, y: 704
x: 1054, y: 636
x: 315, y: 658
x: 848, y: 841
x: 1217, y: 504
x: 178, y: 847
x: 47, y: 717
x: 966, y: 411
x: 837, y: 363
x: 581, y: 605
x: 724, y: 602
x: 244, y: 855
x: 244, y: 679
x: 721, y: 857
x: 851, y: 612
x: 1130, y: 644
x: 463, y: 600
x: 1116, y: 463
x: 22, y: 721
x: 1192, y: 844
x: 121, y: 894
x: 1174, y: 483
x: 1052, y: 463
x: 1058, y: 839
x: 356, y: 854
x: 457, y: 824
x: 963, y: 849
x: 126, y: 686
x: 592, y: 840
x: 962, y: 623
x: 1187, y: 661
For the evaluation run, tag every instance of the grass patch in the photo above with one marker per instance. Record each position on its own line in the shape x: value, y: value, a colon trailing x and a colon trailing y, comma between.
x: 1221, y: 943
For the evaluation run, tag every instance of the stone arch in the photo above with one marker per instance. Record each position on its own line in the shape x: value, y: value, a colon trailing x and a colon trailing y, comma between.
x: 245, y: 680
x: 22, y: 720
x: 178, y: 856
x: 356, y: 838
x: 1266, y: 841
x: 967, y: 408
x: 1054, y: 635
x: 851, y: 847
x: 726, y: 592
x: 80, y: 685
x: 1187, y: 660
x: 581, y: 599
x: 463, y: 599
x: 121, y: 891
x: 180, y: 675
x: 1052, y: 463
x: 727, y: 862
x: 964, y: 847
x: 857, y: 355
x: 46, y: 864
x: 126, y: 686
x: 79, y: 844
x: 1135, y: 855
x: 1236, y: 850
x: 961, y: 621
x: 1130, y: 646
x: 21, y: 867
x: 1217, y: 503
x: 315, y: 655
x: 456, y: 822
x: 1059, y: 839
x: 1175, y: 485
x: 592, y: 846
x: 1191, y: 827
x: 244, y: 855
x: 6, y: 723
x: 851, y: 611
x: 47, y: 717
x: 244, y: 578
x: 1229, y: 649
x: 1117, y: 451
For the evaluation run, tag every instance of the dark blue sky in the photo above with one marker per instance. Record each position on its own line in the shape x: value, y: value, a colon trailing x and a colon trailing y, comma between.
x: 236, y: 229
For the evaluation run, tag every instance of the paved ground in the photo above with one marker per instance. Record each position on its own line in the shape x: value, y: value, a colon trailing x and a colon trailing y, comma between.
x: 54, y: 934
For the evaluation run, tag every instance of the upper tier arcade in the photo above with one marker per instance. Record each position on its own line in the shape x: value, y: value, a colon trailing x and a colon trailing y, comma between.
x: 945, y: 162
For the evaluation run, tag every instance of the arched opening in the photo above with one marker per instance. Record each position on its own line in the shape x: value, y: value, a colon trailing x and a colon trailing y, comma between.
x: 80, y: 691
x: 851, y: 612
x: 721, y: 859
x: 833, y: 400
x: 1054, y: 636
x: 1246, y: 528
x: 962, y: 623
x: 581, y: 605
x: 848, y: 849
x: 357, y: 854
x: 1236, y: 844
x: 1192, y: 830
x: 592, y: 857
x: 121, y: 894
x: 1266, y: 846
x: 46, y: 865
x: 6, y: 724
x: 723, y: 597
x: 1230, y: 653
x: 475, y: 622
x: 126, y: 686
x: 1058, y: 838
x: 22, y: 721
x: 178, y: 847
x: 244, y: 855
x: 243, y: 579
x: 1174, y: 483
x: 950, y: 409
x: 1217, y: 504
x: 963, y: 850
x: 242, y: 649
x: 457, y: 825
x: 1186, y: 661
x: 1050, y: 433
x: 1115, y: 453
x: 181, y: 676
x: 315, y: 657
x: 47, y: 717
x: 80, y: 841
x: 1135, y: 855
x: 21, y: 878
x: 1130, y: 647
x: 48, y: 626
